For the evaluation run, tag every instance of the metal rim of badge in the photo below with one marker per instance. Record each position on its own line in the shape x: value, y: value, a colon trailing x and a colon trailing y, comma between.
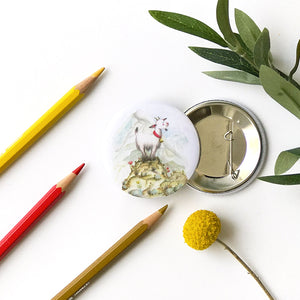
x: 233, y: 146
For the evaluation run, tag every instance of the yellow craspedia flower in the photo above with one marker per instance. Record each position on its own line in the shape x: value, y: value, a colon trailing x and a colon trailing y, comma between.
x: 201, y: 229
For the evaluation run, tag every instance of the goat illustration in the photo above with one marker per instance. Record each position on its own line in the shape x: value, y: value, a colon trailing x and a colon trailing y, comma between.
x: 149, y: 139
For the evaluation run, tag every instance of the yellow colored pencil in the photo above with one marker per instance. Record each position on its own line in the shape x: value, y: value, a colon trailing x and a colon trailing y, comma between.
x: 83, y: 279
x: 46, y: 121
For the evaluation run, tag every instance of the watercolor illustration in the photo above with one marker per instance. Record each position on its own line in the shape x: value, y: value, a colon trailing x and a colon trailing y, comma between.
x: 149, y: 141
x: 150, y: 149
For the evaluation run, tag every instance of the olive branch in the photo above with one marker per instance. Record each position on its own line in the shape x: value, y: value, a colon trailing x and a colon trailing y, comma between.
x: 248, y: 52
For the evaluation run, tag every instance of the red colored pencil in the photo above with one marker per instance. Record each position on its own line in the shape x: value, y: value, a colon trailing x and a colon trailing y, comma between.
x: 40, y: 208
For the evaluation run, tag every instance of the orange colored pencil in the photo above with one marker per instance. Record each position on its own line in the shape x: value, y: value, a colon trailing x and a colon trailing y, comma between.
x: 40, y: 208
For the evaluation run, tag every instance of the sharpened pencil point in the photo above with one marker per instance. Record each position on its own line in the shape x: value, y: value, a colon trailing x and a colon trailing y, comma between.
x: 163, y: 209
x: 77, y: 171
x: 97, y: 73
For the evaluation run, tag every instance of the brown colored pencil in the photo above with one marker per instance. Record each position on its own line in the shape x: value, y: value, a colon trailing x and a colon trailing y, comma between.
x: 82, y: 280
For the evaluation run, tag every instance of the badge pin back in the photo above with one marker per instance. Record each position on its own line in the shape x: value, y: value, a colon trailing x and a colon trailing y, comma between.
x: 233, y: 146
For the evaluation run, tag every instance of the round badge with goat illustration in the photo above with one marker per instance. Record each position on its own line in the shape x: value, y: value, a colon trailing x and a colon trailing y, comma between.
x: 155, y: 150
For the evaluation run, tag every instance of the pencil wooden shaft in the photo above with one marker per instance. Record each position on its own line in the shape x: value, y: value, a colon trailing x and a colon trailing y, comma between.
x: 46, y: 121
x: 36, y: 212
x: 101, y: 262
x: 35, y: 131
x: 29, y: 219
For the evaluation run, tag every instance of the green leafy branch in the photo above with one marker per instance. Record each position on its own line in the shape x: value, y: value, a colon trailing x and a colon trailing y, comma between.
x: 248, y: 52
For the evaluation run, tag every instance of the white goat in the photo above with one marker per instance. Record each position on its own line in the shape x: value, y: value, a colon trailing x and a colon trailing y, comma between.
x: 149, y: 139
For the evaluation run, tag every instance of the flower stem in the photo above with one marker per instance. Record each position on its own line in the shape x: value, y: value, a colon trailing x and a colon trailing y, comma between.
x: 247, y: 268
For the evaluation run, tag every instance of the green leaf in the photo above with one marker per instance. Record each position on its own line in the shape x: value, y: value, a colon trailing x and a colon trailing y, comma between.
x: 224, y: 23
x: 244, y: 51
x: 247, y: 28
x: 282, y: 179
x: 188, y: 25
x: 285, y: 93
x: 262, y: 49
x: 225, y: 57
x: 296, y: 84
x: 244, y: 46
x: 293, y: 71
x: 237, y: 76
x: 286, y: 160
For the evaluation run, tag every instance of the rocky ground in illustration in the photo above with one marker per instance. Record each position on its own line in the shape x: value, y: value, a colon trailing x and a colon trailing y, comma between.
x: 152, y: 178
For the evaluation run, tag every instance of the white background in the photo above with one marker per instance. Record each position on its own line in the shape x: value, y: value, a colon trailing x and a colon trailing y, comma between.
x: 46, y: 48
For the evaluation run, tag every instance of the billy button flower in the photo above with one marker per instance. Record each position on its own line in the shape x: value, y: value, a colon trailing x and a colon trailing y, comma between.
x: 201, y: 230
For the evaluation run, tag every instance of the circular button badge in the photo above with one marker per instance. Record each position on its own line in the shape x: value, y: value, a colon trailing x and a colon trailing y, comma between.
x: 155, y: 150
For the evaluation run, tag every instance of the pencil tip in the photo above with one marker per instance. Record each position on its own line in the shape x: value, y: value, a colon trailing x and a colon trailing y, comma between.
x: 77, y: 171
x: 97, y: 73
x: 163, y: 209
